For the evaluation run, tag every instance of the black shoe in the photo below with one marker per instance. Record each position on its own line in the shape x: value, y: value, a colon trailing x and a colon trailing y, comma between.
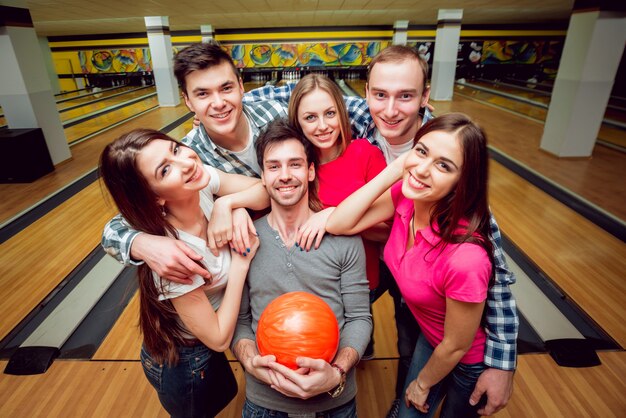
x: 369, y: 351
x: 394, y: 410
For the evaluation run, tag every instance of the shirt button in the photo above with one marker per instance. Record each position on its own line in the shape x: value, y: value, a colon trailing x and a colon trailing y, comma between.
x: 289, y: 265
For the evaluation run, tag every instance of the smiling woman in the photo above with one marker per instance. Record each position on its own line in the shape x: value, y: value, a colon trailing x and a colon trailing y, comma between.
x: 317, y: 109
x: 173, y: 171
x: 440, y: 254
x: 162, y: 188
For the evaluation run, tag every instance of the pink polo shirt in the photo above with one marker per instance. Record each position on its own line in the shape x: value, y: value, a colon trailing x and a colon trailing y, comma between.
x: 461, y: 272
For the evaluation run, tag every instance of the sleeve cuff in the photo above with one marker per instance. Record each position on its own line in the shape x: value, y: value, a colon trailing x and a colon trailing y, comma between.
x: 501, y: 356
x: 126, y: 253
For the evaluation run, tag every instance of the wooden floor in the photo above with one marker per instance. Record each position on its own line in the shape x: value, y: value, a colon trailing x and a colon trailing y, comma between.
x: 119, y: 389
x: 608, y: 133
x: 89, y: 108
x: 65, y: 103
x: 542, y: 389
x: 585, y: 262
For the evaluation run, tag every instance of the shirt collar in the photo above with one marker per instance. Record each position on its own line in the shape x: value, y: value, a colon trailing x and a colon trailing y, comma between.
x: 405, y: 210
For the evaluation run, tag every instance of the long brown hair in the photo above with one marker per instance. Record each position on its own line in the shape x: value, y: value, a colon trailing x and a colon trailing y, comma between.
x: 137, y: 203
x: 309, y: 83
x: 468, y: 200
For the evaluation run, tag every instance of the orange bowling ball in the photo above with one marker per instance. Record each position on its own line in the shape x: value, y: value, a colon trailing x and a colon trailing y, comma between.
x: 298, y: 324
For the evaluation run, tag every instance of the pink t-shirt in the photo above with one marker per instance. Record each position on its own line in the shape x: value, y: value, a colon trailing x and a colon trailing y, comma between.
x: 338, y: 179
x: 461, y: 272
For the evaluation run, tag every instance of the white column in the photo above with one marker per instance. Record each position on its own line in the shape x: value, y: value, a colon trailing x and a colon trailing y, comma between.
x: 446, y: 53
x: 47, y: 58
x: 591, y: 56
x: 400, y: 32
x: 25, y: 92
x: 208, y: 35
x: 160, y: 42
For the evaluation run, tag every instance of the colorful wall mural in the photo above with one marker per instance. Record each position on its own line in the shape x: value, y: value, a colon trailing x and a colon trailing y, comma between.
x: 244, y: 56
x: 521, y: 52
x: 304, y: 54
x: 520, y: 59
x: 332, y: 54
x: 115, y: 60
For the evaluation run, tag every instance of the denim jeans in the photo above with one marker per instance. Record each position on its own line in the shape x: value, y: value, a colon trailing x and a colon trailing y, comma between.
x: 252, y: 410
x: 456, y: 387
x: 201, y: 384
x: 406, y: 325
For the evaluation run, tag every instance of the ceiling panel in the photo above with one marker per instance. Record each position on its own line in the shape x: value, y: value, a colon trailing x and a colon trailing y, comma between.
x: 79, y: 17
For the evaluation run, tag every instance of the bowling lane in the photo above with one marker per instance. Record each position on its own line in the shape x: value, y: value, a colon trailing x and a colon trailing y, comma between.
x: 67, y: 95
x: 608, y: 133
x: 251, y: 85
x: 86, y: 98
x: 522, y: 108
x: 614, y: 112
x: 89, y: 97
x: 89, y: 108
x: 84, y: 129
x: 539, y: 97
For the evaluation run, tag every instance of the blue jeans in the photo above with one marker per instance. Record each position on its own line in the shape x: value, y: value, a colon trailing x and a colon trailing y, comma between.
x: 201, y: 384
x: 456, y: 387
x: 252, y: 410
x: 406, y: 325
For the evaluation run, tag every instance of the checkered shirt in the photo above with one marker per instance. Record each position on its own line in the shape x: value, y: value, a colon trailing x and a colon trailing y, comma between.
x: 118, y: 235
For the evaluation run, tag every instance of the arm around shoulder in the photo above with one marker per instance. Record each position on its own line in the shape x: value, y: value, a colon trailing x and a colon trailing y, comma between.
x: 367, y: 206
x: 117, y: 239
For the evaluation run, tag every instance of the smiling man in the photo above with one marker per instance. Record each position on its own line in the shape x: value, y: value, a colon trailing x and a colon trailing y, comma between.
x: 213, y: 90
x: 335, y: 272
x: 396, y: 94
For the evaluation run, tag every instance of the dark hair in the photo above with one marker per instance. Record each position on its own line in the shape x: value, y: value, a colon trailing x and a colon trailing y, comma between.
x: 200, y: 57
x: 468, y: 199
x: 279, y: 130
x: 136, y: 201
x: 397, y: 54
x: 310, y: 83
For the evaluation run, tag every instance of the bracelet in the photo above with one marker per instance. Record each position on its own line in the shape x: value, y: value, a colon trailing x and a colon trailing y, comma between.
x: 342, y: 372
x: 338, y: 390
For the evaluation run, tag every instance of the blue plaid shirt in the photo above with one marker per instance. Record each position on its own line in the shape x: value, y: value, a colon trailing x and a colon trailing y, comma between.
x: 501, y: 312
x: 118, y: 235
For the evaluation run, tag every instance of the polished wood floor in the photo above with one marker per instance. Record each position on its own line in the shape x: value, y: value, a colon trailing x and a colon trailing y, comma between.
x: 608, y: 133
x: 584, y: 261
x: 85, y: 110
x: 119, y: 389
